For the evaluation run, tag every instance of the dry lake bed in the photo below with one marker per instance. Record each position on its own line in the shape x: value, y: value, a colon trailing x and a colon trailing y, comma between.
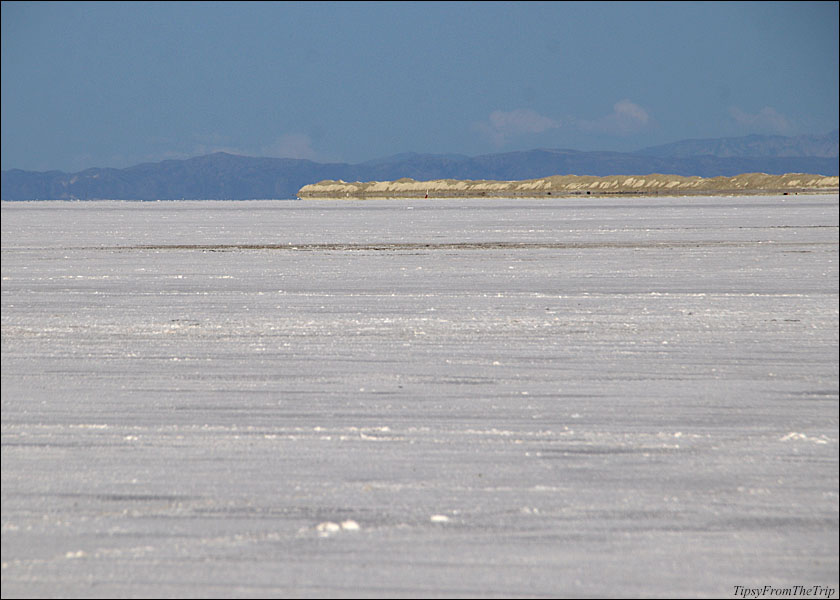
x: 630, y: 397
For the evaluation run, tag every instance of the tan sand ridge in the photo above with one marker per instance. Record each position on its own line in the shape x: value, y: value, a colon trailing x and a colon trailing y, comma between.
x: 576, y: 185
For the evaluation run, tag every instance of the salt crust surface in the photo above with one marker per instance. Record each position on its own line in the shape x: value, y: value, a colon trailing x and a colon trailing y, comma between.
x: 477, y: 398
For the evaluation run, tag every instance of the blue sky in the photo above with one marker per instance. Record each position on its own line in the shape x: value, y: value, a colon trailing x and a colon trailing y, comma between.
x: 114, y: 84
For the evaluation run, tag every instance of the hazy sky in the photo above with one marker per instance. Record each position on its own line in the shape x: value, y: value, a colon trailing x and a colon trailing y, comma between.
x: 114, y: 84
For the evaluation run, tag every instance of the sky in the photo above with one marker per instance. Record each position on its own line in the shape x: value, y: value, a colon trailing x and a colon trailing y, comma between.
x: 114, y: 84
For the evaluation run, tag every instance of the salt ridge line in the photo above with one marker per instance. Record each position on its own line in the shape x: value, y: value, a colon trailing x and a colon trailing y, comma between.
x: 453, y: 246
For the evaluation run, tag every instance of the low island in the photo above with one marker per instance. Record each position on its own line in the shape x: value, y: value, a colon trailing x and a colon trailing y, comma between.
x: 575, y: 185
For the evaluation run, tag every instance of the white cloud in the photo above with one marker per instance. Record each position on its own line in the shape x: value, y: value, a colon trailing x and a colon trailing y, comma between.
x: 626, y: 118
x: 767, y: 120
x: 291, y: 145
x: 502, y: 125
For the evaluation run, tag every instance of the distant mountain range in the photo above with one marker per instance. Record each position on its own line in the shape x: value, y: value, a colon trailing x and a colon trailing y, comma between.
x: 227, y: 176
x: 824, y: 146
